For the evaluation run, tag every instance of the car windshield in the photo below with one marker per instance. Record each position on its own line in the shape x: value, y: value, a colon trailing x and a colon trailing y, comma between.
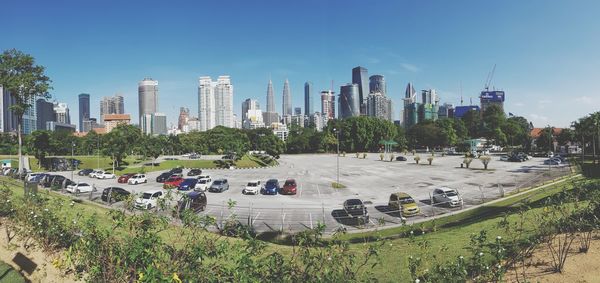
x: 451, y: 193
x: 252, y: 184
x: 272, y: 182
x: 217, y: 182
x: 290, y: 183
x: 171, y: 179
x: 354, y: 202
x: 146, y: 196
x: 406, y: 200
x: 83, y: 184
x: 202, y: 181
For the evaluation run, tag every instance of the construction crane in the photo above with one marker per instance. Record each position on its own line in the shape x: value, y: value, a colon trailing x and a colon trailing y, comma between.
x: 489, y: 78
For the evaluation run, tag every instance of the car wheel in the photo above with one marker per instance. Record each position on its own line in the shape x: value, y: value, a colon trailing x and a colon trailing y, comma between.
x: 77, y: 191
x: 148, y: 206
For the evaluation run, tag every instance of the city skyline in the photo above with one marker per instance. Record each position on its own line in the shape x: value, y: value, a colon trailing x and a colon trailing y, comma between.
x: 535, y: 68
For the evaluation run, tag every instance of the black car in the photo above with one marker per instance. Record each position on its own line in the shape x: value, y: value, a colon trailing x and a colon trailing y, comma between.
x: 85, y: 172
x: 176, y: 170
x: 400, y: 158
x: 117, y: 194
x: 163, y: 177
x: 47, y: 181
x: 355, y: 208
x: 195, y: 201
x: 194, y: 172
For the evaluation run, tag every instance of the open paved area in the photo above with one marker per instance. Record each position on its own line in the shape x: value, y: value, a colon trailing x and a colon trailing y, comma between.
x: 370, y: 180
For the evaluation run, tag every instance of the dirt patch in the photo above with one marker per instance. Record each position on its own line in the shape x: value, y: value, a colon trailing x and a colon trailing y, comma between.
x: 579, y: 267
x: 32, y: 259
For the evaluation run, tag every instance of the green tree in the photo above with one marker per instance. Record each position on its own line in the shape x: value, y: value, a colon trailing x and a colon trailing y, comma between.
x: 545, y: 140
x: 447, y: 134
x: 472, y: 121
x: 39, y: 142
x: 120, y: 142
x: 565, y: 136
x: 25, y: 81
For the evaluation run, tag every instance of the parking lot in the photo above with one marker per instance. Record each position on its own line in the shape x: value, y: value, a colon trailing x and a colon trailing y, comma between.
x: 370, y: 180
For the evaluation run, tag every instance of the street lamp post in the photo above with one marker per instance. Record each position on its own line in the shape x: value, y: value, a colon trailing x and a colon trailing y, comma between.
x: 338, y: 155
x: 72, y: 159
x: 98, y: 151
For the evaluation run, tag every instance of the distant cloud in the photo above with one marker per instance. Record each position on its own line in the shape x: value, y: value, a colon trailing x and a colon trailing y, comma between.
x: 584, y: 99
x: 410, y: 67
x: 519, y: 104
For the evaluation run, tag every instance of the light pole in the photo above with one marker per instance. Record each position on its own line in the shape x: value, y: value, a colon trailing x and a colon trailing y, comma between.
x: 98, y: 151
x: 338, y: 155
x: 72, y: 159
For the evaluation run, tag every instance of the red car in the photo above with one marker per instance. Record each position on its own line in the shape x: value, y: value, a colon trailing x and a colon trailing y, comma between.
x: 289, y: 188
x: 123, y: 179
x: 172, y: 182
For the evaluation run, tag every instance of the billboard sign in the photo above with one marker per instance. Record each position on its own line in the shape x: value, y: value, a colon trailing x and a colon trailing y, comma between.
x: 493, y: 96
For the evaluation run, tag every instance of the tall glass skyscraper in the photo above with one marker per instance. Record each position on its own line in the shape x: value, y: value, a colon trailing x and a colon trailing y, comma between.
x: 360, y: 77
x: 287, y: 99
x: 308, y: 99
x: 377, y: 84
x: 147, y: 97
x: 84, y: 109
x: 270, y: 98
x: 348, y: 101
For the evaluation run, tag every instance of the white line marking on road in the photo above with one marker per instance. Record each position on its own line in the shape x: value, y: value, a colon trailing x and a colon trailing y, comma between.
x: 254, y: 219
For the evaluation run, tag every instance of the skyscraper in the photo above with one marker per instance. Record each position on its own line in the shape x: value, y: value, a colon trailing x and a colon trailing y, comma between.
x: 9, y: 120
x: 377, y: 84
x: 411, y: 107
x: 287, y: 99
x: 328, y: 104
x: 184, y: 116
x: 308, y: 100
x: 45, y: 113
x: 429, y: 108
x: 270, y: 98
x: 159, y: 124
x: 249, y: 104
x: 379, y: 105
x: 348, y: 101
x: 84, y: 109
x: 111, y: 105
x: 62, y: 115
x: 360, y: 77
x: 147, y: 97
x: 215, y: 103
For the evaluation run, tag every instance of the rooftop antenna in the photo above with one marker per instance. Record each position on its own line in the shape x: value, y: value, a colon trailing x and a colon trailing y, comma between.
x: 471, y: 100
x: 461, y: 94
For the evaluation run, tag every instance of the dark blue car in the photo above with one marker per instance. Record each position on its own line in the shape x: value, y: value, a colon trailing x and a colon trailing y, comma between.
x: 271, y: 187
x: 188, y: 184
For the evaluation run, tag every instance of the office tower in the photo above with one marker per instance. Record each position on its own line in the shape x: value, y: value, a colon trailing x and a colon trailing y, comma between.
x: 62, y: 115
x: 159, y: 124
x: 308, y: 99
x: 361, y: 78
x: 430, y: 105
x: 328, y: 104
x: 224, y: 102
x: 215, y: 103
x: 377, y: 84
x: 9, y: 120
x: 45, y: 113
x: 297, y: 111
x: 84, y: 109
x: 316, y: 120
x: 111, y: 105
x: 30, y: 118
x: 184, y: 116
x: 147, y: 98
x: 411, y: 107
x: 270, y: 98
x: 491, y: 97
x: 379, y: 105
x: 445, y: 111
x: 249, y: 104
x: 287, y: 99
x: 348, y: 101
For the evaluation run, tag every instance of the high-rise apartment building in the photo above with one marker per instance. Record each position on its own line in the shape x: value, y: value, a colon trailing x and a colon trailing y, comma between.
x: 184, y: 116
x: 111, y: 105
x: 308, y: 99
x: 159, y: 124
x: 349, y: 101
x: 377, y: 84
x: 360, y: 76
x: 84, y: 109
x: 287, y: 99
x: 430, y: 105
x: 62, y: 115
x: 9, y: 120
x: 45, y: 113
x: 379, y: 105
x: 411, y: 107
x: 147, y: 98
x: 328, y: 104
x: 215, y: 103
x: 491, y: 97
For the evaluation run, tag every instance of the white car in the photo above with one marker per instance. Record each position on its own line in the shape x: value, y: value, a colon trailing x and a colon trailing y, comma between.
x: 94, y: 174
x: 504, y: 158
x: 105, y: 175
x: 149, y: 199
x: 203, y: 183
x: 137, y: 179
x: 79, y: 188
x: 253, y: 187
x: 445, y: 195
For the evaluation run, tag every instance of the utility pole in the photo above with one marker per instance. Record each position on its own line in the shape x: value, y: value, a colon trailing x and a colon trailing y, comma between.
x: 337, y: 132
x: 72, y: 159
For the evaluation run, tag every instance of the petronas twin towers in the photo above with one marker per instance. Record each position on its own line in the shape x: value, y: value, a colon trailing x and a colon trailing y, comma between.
x: 271, y: 116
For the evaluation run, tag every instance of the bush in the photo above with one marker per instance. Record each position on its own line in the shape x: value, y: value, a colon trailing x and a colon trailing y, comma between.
x: 417, y: 159
x: 392, y: 157
x: 430, y: 159
x: 467, y: 161
x: 381, y: 156
x: 485, y: 160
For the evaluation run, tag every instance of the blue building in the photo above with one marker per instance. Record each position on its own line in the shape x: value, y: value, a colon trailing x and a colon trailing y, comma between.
x: 489, y: 98
x: 460, y: 111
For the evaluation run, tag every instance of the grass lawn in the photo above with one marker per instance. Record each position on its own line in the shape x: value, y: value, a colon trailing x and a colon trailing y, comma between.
x: 9, y: 275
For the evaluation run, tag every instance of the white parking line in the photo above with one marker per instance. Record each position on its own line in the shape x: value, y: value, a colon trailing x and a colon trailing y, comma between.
x: 254, y: 218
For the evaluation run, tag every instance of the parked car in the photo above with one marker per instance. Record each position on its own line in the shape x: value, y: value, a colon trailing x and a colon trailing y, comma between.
x: 195, y: 201
x: 124, y: 178
x: 188, y: 184
x: 219, y: 186
x: 253, y: 187
x: 445, y: 195
x: 79, y: 188
x: 85, y: 172
x: 172, y: 182
x: 176, y: 170
x: 60, y: 180
x: 551, y: 162
x: 137, y: 179
x: 149, y: 199
x: 163, y: 177
x: 46, y: 180
x: 116, y: 194
x: 504, y: 158
x: 403, y: 203
x: 400, y: 158
x: 194, y: 172
x: 203, y: 183
x: 355, y: 208
x: 289, y: 187
x: 94, y: 173
x: 105, y: 175
x: 271, y: 187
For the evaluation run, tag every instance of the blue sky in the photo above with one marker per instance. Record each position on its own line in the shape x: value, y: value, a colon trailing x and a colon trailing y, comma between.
x: 546, y: 52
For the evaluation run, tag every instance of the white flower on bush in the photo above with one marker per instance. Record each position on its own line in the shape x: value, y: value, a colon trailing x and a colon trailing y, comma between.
x: 45, y: 209
x: 35, y: 216
x: 480, y: 254
x: 7, y: 200
x: 498, y: 238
